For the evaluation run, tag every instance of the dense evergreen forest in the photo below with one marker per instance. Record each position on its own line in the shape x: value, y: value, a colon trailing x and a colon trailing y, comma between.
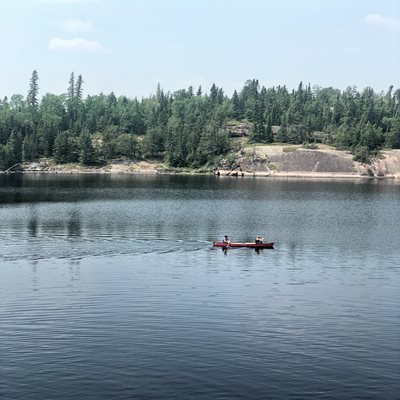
x: 189, y: 128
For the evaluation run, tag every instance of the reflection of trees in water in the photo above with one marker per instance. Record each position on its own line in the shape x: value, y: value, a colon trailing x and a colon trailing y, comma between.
x: 74, y: 223
x: 33, y: 226
x: 35, y: 275
x: 75, y: 269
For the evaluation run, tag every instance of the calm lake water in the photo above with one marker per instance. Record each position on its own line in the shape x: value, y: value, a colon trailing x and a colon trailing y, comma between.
x: 110, y: 288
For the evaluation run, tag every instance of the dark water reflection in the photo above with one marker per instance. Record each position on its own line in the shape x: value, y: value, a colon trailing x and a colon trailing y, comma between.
x: 110, y: 288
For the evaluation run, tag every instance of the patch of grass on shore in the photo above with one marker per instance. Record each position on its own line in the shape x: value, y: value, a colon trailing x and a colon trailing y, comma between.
x: 176, y: 170
x: 309, y: 146
x: 289, y: 149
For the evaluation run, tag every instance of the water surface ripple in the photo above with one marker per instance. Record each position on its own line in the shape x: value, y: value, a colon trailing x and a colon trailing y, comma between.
x: 110, y: 289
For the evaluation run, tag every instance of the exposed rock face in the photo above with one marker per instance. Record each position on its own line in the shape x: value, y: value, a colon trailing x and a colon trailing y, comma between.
x: 388, y: 165
x: 313, y: 161
x: 323, y: 161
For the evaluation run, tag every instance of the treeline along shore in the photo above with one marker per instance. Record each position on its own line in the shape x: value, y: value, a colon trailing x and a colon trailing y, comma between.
x: 257, y: 131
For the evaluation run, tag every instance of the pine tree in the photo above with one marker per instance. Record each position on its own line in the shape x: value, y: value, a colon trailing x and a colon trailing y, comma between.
x: 32, y: 98
x: 213, y: 93
x: 71, y: 104
x: 236, y: 109
x: 29, y: 148
x: 78, y: 87
x: 393, y: 136
x: 61, y: 148
x: 86, y: 153
x: 71, y: 87
x: 259, y: 132
x: 14, y: 145
x: 269, y: 136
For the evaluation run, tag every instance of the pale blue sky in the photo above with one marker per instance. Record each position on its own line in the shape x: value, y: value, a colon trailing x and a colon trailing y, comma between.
x: 128, y: 46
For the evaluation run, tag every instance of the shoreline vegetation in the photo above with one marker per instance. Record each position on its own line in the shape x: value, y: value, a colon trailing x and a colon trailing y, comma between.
x: 270, y: 161
x: 258, y: 131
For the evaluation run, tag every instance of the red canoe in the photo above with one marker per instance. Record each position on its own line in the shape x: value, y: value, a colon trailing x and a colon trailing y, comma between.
x: 253, y: 245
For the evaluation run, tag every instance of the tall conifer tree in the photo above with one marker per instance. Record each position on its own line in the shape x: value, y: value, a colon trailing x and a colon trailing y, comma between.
x: 32, y: 98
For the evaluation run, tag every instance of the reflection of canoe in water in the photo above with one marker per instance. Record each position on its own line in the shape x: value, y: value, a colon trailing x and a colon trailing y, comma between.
x: 269, y: 245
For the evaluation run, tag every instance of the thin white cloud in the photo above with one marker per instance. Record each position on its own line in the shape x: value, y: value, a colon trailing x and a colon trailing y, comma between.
x: 77, y: 44
x: 73, y: 25
x: 380, y: 20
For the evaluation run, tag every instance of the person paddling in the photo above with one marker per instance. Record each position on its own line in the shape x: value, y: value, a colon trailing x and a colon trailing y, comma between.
x: 226, y: 240
x: 259, y: 239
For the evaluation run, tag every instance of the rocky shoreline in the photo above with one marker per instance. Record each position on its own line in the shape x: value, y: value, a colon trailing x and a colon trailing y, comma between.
x: 257, y: 161
x: 320, y: 162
